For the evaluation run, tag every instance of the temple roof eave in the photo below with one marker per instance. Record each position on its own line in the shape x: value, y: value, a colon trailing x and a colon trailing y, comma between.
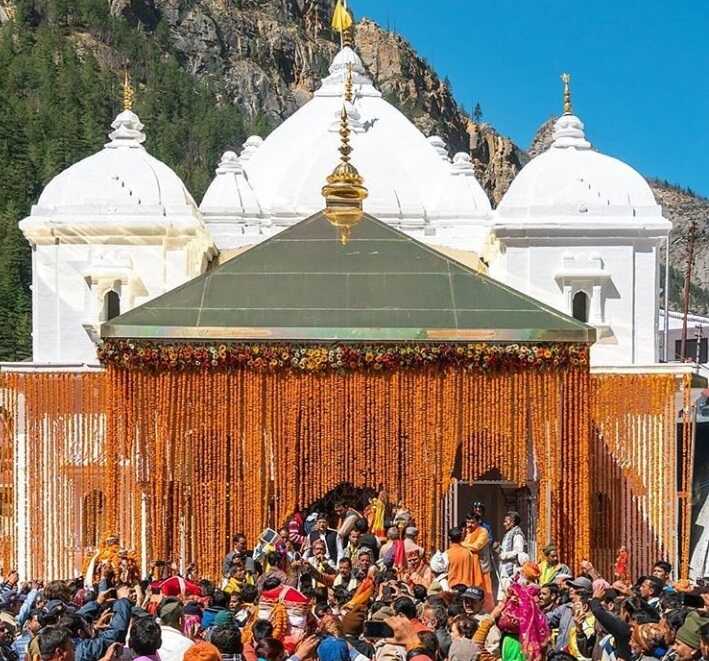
x: 318, y: 334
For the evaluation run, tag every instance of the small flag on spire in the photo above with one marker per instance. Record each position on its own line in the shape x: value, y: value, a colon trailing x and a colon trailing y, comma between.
x: 341, y: 19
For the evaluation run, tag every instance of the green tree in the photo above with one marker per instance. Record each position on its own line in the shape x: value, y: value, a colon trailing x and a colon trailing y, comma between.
x: 56, y: 106
x: 477, y: 113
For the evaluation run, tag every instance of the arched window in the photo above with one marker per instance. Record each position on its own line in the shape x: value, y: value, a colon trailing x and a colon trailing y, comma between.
x: 111, y: 305
x: 91, y: 518
x: 579, y: 308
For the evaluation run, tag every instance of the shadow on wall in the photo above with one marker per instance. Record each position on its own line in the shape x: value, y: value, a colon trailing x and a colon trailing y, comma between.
x: 616, y: 513
x: 700, y: 495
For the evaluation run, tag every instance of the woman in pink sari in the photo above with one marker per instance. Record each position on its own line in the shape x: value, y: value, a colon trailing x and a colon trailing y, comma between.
x: 523, y: 625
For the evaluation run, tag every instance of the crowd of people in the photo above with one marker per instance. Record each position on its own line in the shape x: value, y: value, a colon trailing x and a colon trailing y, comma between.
x: 348, y: 587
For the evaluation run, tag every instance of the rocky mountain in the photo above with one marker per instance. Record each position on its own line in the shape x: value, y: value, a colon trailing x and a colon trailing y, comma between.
x: 542, y: 138
x: 270, y: 56
x: 682, y: 206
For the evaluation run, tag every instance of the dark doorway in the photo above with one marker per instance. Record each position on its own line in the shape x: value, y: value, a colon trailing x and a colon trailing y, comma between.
x: 111, y: 305
x: 580, y: 306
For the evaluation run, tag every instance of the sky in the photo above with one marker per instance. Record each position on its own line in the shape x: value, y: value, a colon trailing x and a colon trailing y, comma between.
x: 640, y: 70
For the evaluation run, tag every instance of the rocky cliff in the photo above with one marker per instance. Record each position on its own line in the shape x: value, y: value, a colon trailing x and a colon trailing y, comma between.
x: 272, y: 54
x: 682, y: 207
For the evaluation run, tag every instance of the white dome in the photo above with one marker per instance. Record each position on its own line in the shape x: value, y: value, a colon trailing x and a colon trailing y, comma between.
x: 460, y: 188
x: 571, y: 180
x: 122, y: 185
x: 403, y: 172
x: 230, y: 193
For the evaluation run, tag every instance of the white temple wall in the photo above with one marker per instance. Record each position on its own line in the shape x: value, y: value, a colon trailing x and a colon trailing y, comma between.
x: 618, y: 276
x: 646, y: 304
x: 61, y: 298
x: 71, y: 280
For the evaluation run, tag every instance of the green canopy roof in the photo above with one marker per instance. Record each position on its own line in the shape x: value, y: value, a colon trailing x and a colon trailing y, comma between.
x: 302, y: 284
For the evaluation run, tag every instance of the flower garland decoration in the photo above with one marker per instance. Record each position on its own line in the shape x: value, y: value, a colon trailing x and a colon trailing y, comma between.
x: 158, y: 443
x: 159, y: 357
x: 634, y: 433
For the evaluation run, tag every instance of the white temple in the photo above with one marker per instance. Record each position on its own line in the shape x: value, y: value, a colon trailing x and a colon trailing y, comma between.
x: 581, y: 231
x: 578, y: 230
x: 109, y: 233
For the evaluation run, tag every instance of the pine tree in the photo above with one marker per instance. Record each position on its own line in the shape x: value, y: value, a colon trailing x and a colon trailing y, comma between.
x: 477, y: 113
x: 14, y: 285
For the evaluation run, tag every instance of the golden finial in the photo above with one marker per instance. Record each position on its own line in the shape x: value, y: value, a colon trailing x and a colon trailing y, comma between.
x: 345, y: 149
x: 566, y: 79
x: 344, y: 191
x: 128, y: 93
x: 348, y: 84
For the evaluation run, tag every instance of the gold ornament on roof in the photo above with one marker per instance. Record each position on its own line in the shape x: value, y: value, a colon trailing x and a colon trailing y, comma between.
x: 348, y: 84
x: 566, y: 79
x: 344, y: 191
x: 128, y: 92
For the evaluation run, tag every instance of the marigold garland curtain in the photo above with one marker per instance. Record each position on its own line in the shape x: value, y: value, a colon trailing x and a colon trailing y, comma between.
x: 219, y: 452
x: 60, y: 419
x: 214, y: 452
x: 634, y: 469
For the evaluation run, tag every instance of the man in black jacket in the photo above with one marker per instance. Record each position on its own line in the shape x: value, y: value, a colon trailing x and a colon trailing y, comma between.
x: 239, y: 552
x: 327, y: 536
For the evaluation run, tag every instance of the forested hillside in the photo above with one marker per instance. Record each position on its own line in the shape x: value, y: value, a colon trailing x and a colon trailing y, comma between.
x: 59, y: 93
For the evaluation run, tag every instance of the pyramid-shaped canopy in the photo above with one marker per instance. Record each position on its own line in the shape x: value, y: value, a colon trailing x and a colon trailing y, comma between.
x: 302, y: 284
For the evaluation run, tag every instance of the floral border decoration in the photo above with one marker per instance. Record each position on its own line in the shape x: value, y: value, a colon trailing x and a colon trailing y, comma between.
x: 159, y: 357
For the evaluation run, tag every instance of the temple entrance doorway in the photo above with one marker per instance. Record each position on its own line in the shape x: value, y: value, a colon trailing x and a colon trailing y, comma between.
x: 499, y: 497
x: 348, y: 494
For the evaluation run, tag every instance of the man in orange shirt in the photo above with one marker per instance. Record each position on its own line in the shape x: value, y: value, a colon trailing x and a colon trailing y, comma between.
x: 477, y: 541
x: 461, y: 563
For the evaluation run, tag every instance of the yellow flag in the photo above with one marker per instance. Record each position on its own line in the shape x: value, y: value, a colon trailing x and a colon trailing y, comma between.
x: 341, y: 19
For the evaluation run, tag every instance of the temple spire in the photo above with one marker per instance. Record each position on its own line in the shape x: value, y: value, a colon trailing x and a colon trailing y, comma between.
x: 128, y: 92
x: 566, y: 79
x: 348, y: 84
x: 127, y: 127
x: 568, y: 129
x: 344, y: 191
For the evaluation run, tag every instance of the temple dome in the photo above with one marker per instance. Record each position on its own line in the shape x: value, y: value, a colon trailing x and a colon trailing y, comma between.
x: 570, y: 180
x: 403, y: 171
x: 230, y: 191
x: 122, y: 185
x: 459, y: 192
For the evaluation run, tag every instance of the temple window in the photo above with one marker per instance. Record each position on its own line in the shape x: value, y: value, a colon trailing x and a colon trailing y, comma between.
x: 111, y: 305
x: 580, y: 306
